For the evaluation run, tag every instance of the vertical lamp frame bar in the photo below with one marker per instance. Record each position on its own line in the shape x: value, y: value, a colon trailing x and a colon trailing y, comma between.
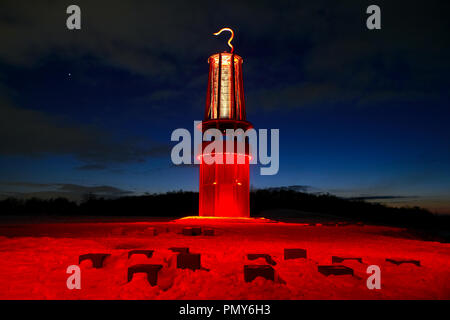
x: 209, y: 90
x: 233, y: 89
x: 219, y: 82
x: 241, y: 93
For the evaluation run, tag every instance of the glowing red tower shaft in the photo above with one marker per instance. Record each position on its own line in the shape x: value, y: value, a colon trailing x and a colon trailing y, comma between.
x: 224, y: 188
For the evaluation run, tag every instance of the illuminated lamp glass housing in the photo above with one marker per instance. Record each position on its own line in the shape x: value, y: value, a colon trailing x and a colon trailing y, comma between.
x: 225, y: 94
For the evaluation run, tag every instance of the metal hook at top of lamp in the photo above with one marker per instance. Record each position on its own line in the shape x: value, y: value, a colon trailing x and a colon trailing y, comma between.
x: 229, y: 40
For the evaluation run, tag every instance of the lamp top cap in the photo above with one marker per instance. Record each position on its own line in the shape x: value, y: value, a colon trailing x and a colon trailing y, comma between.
x: 226, y: 58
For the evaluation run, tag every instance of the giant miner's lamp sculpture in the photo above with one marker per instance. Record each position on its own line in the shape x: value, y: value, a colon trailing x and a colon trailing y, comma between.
x: 224, y: 187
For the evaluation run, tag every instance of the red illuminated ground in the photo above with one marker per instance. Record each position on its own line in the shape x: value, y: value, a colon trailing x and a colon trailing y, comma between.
x: 34, y: 258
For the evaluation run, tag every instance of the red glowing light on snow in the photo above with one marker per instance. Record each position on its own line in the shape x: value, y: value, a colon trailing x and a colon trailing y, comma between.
x: 210, y: 218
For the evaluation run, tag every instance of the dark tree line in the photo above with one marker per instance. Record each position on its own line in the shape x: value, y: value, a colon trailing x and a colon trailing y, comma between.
x: 171, y: 204
x: 355, y: 210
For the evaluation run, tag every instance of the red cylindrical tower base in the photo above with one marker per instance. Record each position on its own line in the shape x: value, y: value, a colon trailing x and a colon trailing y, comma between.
x: 224, y: 189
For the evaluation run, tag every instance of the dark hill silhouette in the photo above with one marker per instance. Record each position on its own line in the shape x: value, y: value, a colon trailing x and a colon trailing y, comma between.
x: 273, y: 203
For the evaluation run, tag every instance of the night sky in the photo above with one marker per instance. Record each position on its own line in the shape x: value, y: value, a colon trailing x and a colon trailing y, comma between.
x: 361, y: 113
